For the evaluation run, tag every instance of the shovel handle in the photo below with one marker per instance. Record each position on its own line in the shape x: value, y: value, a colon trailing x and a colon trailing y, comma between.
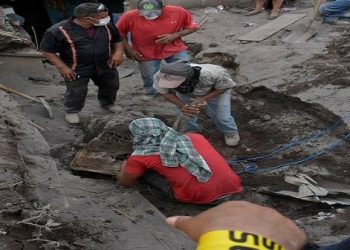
x: 7, y: 89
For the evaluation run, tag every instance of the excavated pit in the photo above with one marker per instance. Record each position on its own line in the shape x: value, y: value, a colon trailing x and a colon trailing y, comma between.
x: 267, y: 119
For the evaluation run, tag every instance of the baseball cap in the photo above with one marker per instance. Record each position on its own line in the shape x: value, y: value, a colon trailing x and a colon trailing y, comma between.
x: 147, y: 7
x: 84, y: 9
x: 172, y: 75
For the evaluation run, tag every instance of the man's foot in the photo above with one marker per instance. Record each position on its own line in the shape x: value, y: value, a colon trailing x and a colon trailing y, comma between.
x: 232, y: 140
x: 273, y: 15
x: 150, y: 91
x: 72, y: 118
x: 148, y: 98
x: 113, y: 108
x: 253, y: 12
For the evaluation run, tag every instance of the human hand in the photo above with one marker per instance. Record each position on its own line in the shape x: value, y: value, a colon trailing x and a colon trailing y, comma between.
x: 199, y: 103
x: 132, y: 54
x: 67, y: 73
x: 189, y: 110
x: 243, y: 216
x: 167, y: 38
x: 115, y: 60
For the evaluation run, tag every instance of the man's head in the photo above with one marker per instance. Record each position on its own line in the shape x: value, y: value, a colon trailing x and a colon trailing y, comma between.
x: 93, y: 13
x: 150, y: 9
x: 172, y: 75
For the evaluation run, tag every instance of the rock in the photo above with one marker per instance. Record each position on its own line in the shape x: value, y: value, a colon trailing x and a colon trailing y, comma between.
x: 105, y: 153
x: 12, y: 36
x: 194, y: 48
x: 110, y: 144
x: 213, y: 45
x: 265, y: 118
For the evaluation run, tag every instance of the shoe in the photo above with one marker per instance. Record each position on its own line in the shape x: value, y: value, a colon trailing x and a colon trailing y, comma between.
x: 232, y: 140
x: 147, y: 98
x: 113, y: 108
x: 72, y: 118
x: 150, y: 91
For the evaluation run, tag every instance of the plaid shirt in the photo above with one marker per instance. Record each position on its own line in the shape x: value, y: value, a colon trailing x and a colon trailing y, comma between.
x: 152, y: 136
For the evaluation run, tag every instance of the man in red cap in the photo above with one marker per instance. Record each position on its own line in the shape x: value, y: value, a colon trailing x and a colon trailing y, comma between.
x: 156, y: 32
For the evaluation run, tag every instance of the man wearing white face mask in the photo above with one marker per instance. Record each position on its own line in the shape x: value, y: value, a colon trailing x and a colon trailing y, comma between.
x: 89, y: 47
x: 156, y: 32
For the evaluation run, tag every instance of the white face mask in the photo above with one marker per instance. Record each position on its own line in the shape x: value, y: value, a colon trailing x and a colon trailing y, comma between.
x: 102, y: 22
x: 153, y: 15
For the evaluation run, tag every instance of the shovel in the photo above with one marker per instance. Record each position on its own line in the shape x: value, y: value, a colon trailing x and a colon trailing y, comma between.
x: 305, y: 31
x: 41, y: 100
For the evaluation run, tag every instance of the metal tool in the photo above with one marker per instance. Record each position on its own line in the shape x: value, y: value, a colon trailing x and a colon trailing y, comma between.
x: 41, y: 100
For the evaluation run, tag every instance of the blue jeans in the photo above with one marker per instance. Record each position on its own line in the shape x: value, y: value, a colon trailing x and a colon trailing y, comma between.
x: 150, y: 68
x: 343, y: 245
x: 218, y: 110
x: 333, y: 10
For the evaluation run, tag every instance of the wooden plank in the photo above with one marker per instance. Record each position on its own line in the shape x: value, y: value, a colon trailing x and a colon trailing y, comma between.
x: 271, y: 27
x: 302, y: 33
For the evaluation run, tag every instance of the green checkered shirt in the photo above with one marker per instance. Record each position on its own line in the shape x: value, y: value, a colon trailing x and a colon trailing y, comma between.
x: 152, y: 136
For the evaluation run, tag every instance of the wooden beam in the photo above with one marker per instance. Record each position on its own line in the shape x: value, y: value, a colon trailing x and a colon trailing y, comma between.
x: 271, y: 27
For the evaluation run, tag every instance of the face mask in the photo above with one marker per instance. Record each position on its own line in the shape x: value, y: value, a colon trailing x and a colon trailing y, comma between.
x: 153, y: 15
x: 101, y: 22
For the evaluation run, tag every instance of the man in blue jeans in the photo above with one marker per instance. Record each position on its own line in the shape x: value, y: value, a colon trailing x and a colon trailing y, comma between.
x: 332, y: 11
x: 196, y: 87
x: 156, y: 32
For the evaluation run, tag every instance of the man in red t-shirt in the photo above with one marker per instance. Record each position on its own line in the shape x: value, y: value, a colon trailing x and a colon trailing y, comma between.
x: 156, y: 32
x: 187, y: 166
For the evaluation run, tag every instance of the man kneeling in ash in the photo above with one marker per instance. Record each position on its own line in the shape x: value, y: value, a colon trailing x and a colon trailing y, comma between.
x: 184, y: 167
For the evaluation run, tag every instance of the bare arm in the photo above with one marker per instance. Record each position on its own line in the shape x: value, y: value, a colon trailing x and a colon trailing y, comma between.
x: 130, y: 53
x: 117, y: 56
x: 167, y: 38
x: 64, y: 70
x: 174, y: 99
x: 185, y: 108
x: 125, y: 179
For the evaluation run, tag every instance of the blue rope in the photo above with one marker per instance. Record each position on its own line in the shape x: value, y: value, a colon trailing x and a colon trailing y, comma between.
x: 252, y: 169
x: 284, y: 147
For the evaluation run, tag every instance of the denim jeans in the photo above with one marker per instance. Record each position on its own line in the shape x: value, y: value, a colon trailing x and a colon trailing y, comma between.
x: 331, y: 11
x: 150, y: 68
x: 160, y: 184
x: 218, y: 110
x: 343, y: 245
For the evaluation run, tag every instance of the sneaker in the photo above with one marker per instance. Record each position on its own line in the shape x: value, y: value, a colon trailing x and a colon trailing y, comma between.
x: 72, y: 118
x: 147, y: 98
x: 113, y: 108
x: 232, y: 140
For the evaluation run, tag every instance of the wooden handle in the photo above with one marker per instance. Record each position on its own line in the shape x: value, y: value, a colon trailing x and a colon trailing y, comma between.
x: 7, y: 89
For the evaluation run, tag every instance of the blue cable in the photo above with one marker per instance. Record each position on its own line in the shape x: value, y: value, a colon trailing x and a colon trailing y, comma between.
x: 284, y: 147
x: 252, y: 169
